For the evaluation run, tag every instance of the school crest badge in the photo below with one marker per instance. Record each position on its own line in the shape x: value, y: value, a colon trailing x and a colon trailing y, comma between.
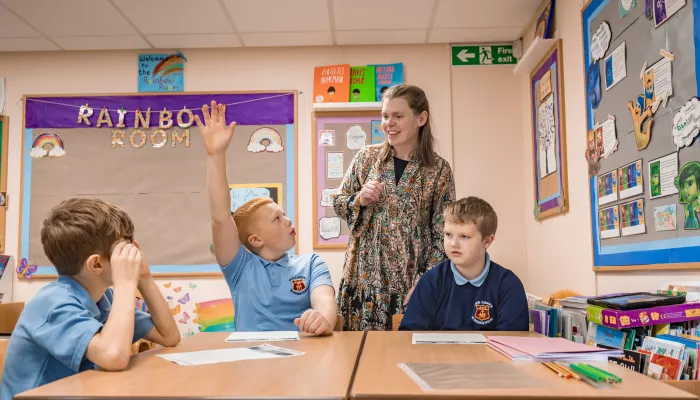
x: 298, y: 285
x: 482, y: 312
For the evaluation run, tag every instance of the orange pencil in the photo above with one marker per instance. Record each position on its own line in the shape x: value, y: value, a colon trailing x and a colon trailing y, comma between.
x: 553, y: 369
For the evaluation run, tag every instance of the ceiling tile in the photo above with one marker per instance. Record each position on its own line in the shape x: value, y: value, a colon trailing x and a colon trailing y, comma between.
x: 102, y: 42
x: 354, y: 15
x: 71, y: 17
x: 287, y: 39
x: 194, y: 41
x: 11, y: 26
x: 380, y: 37
x: 483, y: 35
x: 278, y: 15
x: 164, y: 16
x: 27, y: 44
x: 480, y: 13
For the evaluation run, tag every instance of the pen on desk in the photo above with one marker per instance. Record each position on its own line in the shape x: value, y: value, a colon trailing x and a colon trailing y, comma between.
x: 614, y: 378
x: 583, y: 371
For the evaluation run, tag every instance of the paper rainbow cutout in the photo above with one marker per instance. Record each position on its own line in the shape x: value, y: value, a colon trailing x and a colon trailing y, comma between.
x: 255, y: 144
x: 48, y: 144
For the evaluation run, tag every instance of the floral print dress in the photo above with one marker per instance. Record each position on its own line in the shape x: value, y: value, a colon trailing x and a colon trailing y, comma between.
x: 394, y: 241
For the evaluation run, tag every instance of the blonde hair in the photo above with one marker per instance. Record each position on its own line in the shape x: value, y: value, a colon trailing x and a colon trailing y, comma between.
x: 243, y: 217
x: 474, y: 210
x: 418, y: 102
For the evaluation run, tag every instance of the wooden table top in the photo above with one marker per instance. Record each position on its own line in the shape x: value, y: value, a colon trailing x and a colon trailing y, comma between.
x: 324, y: 372
x: 379, y: 377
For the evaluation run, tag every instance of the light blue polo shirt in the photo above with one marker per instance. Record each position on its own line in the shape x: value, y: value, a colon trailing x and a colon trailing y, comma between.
x: 478, y: 281
x: 269, y: 295
x: 52, y: 335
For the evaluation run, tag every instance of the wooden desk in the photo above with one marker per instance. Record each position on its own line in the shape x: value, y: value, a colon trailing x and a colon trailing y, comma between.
x: 324, y: 372
x: 379, y: 377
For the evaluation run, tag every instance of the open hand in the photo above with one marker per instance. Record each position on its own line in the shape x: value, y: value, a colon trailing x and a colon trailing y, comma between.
x: 371, y: 192
x: 311, y: 321
x: 215, y: 133
x: 126, y: 264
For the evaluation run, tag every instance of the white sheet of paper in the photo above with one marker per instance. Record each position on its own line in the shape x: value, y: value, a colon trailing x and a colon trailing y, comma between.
x: 326, y: 194
x: 229, y: 355
x: 609, y: 137
x: 600, y: 41
x: 448, y: 338
x: 334, y: 165
x: 662, y: 79
x: 326, y: 138
x: 686, y: 123
x: 668, y: 168
x: 615, y: 67
x: 272, y: 336
x: 356, y: 137
x: 547, y: 137
x: 329, y: 227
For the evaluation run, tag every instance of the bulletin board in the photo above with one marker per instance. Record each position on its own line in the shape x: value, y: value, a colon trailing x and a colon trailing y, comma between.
x: 641, y: 65
x: 337, y: 137
x: 4, y: 136
x: 145, y: 154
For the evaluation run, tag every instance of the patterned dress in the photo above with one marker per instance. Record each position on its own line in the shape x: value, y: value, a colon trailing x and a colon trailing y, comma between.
x: 393, y: 241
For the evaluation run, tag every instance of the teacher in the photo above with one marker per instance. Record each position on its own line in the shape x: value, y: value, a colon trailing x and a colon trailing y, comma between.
x: 392, y: 198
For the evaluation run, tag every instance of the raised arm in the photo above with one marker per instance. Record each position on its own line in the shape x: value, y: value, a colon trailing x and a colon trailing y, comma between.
x: 217, y: 136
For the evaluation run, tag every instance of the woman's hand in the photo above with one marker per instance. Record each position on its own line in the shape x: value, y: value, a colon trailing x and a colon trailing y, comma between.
x: 371, y: 192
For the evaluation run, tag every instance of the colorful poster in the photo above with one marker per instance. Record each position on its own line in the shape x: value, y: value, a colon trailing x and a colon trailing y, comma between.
x: 664, y: 9
x: 607, y: 187
x: 161, y: 72
x: 662, y: 174
x: 630, y: 180
x: 687, y: 184
x: 334, y: 165
x: 632, y: 218
x: 332, y: 84
x: 615, y: 67
x: 665, y: 218
x: 609, y: 222
x: 386, y: 76
x: 362, y: 84
x: 658, y: 82
x: 377, y: 133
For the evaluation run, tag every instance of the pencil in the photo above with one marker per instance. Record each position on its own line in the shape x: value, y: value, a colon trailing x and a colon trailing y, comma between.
x: 553, y: 369
x: 565, y: 368
x: 566, y: 373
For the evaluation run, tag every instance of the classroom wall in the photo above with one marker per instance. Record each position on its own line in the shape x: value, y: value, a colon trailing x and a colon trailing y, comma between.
x: 427, y: 66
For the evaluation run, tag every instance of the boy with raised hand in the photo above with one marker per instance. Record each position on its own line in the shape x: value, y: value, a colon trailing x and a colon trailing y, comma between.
x: 271, y: 290
x: 78, y: 322
x: 468, y: 291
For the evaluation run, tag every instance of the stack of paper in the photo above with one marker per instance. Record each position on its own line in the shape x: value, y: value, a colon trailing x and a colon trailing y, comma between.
x: 272, y: 336
x: 448, y: 338
x: 548, y: 349
x: 229, y: 355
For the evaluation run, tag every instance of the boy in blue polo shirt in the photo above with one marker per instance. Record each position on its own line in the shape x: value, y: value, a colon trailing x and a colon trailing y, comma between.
x: 468, y: 291
x: 271, y: 290
x: 77, y: 321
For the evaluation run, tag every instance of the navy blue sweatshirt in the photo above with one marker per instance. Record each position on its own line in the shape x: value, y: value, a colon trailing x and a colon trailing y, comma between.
x: 439, y: 303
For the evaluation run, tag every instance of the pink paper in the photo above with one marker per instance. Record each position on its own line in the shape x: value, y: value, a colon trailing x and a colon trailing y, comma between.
x: 542, y: 346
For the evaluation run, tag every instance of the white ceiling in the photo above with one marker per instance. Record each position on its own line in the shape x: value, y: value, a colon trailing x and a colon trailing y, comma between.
x: 41, y: 25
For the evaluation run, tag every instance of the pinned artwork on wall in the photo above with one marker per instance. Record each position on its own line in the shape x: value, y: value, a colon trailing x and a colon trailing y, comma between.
x: 626, y: 6
x: 47, y: 144
x: 161, y: 72
x: 665, y: 218
x: 265, y: 139
x: 25, y: 269
x: 687, y: 185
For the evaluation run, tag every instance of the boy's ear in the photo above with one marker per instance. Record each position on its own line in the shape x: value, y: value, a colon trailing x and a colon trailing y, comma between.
x: 94, y: 265
x: 255, y: 241
x: 488, y: 240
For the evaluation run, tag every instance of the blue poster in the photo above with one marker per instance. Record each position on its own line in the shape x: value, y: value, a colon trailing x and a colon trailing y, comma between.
x: 162, y: 72
x: 377, y: 134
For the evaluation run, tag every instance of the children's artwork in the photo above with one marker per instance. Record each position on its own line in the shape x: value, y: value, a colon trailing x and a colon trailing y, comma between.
x: 377, y: 132
x: 334, y: 165
x: 607, y: 131
x: 601, y: 41
x: 630, y: 180
x: 686, y: 123
x: 356, y: 137
x: 593, y: 92
x: 658, y: 82
x: 549, y: 136
x: 329, y: 228
x: 326, y: 138
x: 665, y: 218
x: 615, y: 67
x: 641, y: 121
x: 25, y: 269
x: 593, y: 153
x: 362, y: 84
x: 243, y: 192
x: 47, y: 144
x: 544, y: 21
x: 687, y: 185
x: 607, y: 187
x: 161, y: 72
x: 332, y: 84
x: 632, y: 218
x: 326, y: 196
x: 664, y: 9
x: 662, y: 175
x: 265, y: 139
x: 609, y: 222
x: 626, y: 6
x: 215, y: 315
x: 386, y: 76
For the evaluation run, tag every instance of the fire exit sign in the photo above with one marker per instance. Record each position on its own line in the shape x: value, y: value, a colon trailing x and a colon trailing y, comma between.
x: 483, y: 55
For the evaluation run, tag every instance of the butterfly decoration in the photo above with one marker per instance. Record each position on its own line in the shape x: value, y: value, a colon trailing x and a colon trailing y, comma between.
x: 175, y: 310
x: 184, y: 299
x: 177, y: 289
x: 26, y: 270
x: 190, y: 332
x: 193, y: 285
x: 167, y: 285
x: 184, y: 318
x: 170, y: 298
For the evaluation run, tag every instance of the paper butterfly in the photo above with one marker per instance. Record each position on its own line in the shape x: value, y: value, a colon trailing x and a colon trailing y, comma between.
x: 25, y: 270
x: 175, y: 310
x: 169, y: 298
x: 167, y: 285
x: 184, y: 299
x: 184, y: 318
x: 192, y: 285
x: 177, y: 289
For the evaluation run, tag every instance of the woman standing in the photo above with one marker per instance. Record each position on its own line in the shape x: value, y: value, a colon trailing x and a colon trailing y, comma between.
x: 392, y: 198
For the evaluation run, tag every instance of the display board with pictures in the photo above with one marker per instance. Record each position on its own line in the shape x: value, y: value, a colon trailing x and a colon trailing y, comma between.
x: 643, y: 117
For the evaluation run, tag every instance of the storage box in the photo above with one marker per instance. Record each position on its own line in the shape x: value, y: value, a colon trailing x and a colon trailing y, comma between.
x: 650, y: 316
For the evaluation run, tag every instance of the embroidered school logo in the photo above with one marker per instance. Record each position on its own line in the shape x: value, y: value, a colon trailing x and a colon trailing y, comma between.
x: 298, y: 285
x: 482, y: 312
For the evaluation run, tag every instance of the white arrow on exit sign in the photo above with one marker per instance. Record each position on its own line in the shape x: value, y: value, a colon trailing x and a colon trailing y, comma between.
x: 464, y: 55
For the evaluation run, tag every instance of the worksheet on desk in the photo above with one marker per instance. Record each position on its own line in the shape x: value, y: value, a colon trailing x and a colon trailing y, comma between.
x: 229, y: 355
x: 448, y: 338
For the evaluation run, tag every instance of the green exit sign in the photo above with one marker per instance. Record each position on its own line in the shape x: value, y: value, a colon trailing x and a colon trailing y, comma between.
x: 483, y: 55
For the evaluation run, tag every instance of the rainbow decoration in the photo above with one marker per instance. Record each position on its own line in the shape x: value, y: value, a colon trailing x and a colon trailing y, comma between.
x: 171, y: 64
x: 215, y: 315
x: 48, y: 144
x: 274, y: 141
